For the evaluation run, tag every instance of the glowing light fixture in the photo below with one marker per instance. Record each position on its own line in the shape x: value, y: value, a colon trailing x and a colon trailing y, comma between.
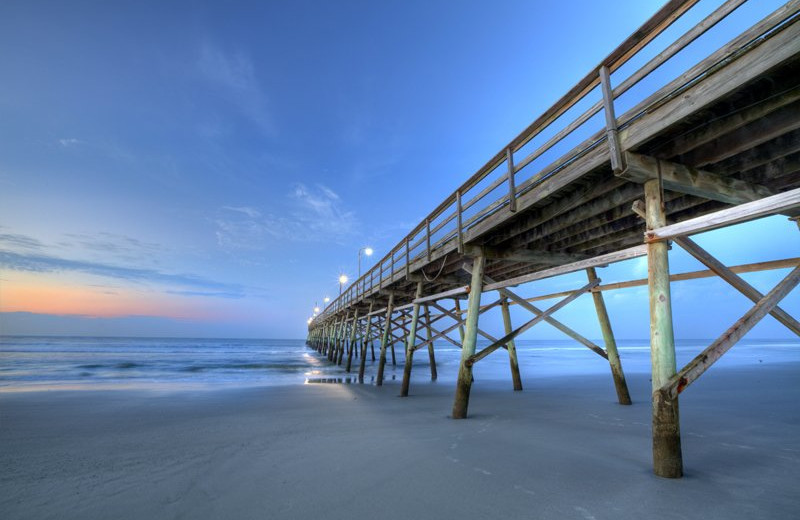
x: 367, y: 251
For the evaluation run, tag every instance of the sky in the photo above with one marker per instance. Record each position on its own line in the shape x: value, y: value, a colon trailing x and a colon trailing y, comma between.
x: 210, y: 168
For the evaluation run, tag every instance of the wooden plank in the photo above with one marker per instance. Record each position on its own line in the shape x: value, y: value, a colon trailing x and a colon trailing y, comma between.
x: 737, y: 282
x: 675, y: 47
x: 442, y: 295
x: 471, y: 360
x: 685, y: 179
x: 610, y: 258
x: 683, y: 96
x: 693, y: 275
x: 460, y: 320
x: 506, y: 293
x: 719, y: 127
x: 782, y: 202
x: 522, y: 255
x: 554, y: 322
x: 762, y: 130
x: 695, y: 368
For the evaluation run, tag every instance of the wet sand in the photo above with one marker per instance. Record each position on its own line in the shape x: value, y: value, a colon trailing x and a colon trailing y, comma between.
x: 562, y: 448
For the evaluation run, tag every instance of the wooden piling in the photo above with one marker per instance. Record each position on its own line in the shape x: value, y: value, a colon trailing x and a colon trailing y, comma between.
x: 411, y: 339
x: 464, y: 383
x: 431, y: 354
x: 387, y: 327
x: 342, y: 341
x: 350, y: 350
x: 363, y: 364
x: 460, y: 327
x: 667, y: 459
x: 512, y: 347
x: 623, y: 396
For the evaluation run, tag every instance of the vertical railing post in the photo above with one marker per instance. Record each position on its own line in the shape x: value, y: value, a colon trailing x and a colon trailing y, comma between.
x: 387, y: 327
x: 459, y: 222
x: 611, y: 121
x: 428, y: 237
x: 408, y: 256
x: 667, y: 459
x: 464, y: 383
x: 512, y: 188
x: 410, y: 342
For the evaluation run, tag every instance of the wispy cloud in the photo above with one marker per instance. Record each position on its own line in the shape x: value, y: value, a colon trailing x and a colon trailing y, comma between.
x: 314, y: 214
x: 113, y: 243
x: 68, y: 142
x: 246, y: 210
x: 15, y: 240
x: 234, y: 74
x: 188, y: 282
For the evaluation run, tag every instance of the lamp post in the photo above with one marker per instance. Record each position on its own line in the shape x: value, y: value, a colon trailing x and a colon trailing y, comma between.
x: 342, y: 281
x: 367, y: 251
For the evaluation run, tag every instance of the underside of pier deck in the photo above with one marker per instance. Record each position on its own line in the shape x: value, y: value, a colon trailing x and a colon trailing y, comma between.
x: 718, y: 145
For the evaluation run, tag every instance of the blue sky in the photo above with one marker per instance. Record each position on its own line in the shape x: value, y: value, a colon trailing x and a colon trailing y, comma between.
x: 209, y: 168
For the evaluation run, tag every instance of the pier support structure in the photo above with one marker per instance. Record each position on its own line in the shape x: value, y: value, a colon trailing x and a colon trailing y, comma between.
x: 352, y: 346
x: 667, y: 460
x: 387, y: 329
x: 364, y: 340
x: 621, y: 386
x: 464, y: 383
x: 512, y: 347
x: 431, y: 354
x: 410, y: 342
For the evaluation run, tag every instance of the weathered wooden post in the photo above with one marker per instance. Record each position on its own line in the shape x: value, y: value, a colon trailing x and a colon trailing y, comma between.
x: 512, y: 347
x: 362, y: 366
x: 394, y: 357
x: 332, y: 342
x: 611, y: 345
x: 387, y: 328
x: 460, y: 327
x: 328, y: 336
x: 464, y: 383
x: 342, y: 340
x: 352, y: 342
x: 431, y: 355
x: 410, y: 341
x: 667, y: 460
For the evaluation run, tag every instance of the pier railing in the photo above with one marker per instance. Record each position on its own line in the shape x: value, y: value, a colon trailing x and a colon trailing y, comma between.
x: 575, y: 117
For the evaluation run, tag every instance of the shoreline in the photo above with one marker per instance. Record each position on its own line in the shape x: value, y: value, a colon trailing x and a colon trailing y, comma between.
x: 562, y: 448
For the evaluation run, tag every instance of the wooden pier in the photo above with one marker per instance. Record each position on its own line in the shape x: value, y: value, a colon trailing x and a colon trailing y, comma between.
x: 715, y: 146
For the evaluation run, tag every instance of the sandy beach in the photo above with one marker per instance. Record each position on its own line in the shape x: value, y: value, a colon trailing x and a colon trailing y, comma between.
x: 562, y: 448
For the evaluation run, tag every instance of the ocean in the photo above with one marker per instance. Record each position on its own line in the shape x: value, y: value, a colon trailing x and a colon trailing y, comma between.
x: 42, y: 363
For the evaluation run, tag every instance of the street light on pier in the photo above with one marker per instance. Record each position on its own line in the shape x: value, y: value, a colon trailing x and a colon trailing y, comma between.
x: 367, y: 251
x: 342, y: 280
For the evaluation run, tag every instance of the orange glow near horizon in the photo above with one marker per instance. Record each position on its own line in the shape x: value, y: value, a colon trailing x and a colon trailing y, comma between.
x: 48, y: 294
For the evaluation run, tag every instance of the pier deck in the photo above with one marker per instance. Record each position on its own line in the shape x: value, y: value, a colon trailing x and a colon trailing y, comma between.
x: 717, y: 145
